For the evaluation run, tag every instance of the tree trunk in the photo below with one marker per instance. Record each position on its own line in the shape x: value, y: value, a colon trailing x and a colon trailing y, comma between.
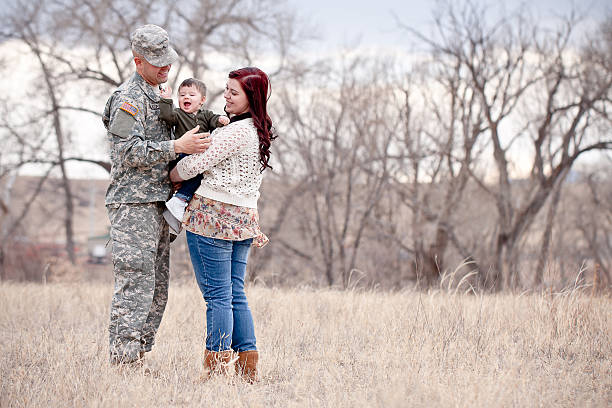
x: 545, y: 250
x: 70, y: 248
x: 59, y: 134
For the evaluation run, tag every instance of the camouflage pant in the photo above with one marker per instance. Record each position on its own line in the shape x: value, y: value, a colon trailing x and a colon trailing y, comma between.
x: 141, y: 250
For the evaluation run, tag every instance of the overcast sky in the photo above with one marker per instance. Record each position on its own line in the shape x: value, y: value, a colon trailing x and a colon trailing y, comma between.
x: 342, y: 22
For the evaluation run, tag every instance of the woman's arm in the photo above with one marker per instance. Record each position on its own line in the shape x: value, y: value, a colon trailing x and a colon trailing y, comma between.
x: 226, y: 142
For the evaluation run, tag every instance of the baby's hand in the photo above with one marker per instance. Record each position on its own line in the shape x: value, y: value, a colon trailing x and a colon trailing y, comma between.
x: 166, y: 92
x: 223, y: 120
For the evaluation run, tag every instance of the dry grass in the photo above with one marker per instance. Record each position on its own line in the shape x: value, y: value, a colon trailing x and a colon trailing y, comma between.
x: 318, y: 348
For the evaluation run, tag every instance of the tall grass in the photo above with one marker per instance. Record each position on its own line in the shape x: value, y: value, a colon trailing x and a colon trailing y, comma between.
x: 318, y: 348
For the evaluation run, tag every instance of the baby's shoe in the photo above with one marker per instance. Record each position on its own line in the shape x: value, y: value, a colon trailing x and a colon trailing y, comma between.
x: 174, y: 213
x: 175, y: 225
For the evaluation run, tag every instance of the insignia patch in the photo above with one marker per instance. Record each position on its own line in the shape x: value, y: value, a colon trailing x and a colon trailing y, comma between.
x: 131, y: 109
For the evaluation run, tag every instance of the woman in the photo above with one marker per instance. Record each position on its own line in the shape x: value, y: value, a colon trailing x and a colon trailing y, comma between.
x: 222, y: 220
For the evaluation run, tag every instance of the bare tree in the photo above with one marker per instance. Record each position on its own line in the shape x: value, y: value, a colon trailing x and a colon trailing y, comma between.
x: 28, y: 30
x: 440, y: 143
x: 532, y: 91
x: 336, y: 142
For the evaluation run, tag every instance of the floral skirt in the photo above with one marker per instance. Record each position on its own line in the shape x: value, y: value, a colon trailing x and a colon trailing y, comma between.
x: 215, y: 219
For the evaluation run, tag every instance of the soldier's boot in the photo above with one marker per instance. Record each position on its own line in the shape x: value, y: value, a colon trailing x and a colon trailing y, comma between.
x: 137, y: 366
x: 119, y: 360
x: 217, y: 363
x: 246, y: 366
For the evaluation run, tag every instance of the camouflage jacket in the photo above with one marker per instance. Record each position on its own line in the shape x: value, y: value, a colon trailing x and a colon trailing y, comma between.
x: 140, y: 144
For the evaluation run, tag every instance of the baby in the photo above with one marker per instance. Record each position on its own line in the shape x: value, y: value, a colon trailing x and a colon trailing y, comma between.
x: 189, y: 114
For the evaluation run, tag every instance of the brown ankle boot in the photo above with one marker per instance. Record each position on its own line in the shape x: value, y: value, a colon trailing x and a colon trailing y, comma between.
x: 246, y: 366
x: 217, y: 362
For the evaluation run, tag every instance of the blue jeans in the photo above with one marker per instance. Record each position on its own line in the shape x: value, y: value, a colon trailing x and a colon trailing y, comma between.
x: 220, y: 267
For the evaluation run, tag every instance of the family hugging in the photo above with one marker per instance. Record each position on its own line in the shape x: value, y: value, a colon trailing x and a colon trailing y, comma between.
x: 219, y: 175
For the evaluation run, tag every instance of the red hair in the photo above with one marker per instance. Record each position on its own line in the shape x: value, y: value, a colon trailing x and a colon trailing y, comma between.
x: 255, y: 84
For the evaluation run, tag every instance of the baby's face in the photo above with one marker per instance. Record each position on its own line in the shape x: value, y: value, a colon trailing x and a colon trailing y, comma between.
x: 190, y: 99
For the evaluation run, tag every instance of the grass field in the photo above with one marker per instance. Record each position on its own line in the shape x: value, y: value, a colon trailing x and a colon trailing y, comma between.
x: 319, y: 348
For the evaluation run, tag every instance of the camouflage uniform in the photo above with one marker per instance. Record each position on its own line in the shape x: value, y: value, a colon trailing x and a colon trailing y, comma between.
x: 141, y: 148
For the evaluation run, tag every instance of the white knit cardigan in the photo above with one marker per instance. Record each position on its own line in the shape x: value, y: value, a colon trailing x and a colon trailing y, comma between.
x: 230, y: 166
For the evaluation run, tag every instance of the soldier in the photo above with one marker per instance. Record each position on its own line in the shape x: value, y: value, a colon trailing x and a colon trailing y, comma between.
x: 140, y: 148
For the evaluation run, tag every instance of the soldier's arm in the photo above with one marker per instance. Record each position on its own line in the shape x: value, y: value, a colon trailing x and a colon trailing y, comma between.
x: 128, y: 138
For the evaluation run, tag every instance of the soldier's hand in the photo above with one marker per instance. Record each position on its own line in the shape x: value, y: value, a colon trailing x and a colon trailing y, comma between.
x: 192, y: 142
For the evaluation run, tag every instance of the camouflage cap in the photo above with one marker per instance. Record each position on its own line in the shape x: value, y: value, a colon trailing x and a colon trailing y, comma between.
x: 153, y: 44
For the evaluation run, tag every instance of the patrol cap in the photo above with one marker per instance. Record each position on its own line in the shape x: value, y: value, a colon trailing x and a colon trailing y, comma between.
x: 153, y: 44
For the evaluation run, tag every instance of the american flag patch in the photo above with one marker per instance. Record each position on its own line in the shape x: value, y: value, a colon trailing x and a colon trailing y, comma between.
x: 131, y: 109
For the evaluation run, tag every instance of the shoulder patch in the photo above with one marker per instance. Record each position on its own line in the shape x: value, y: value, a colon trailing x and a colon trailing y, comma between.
x: 122, y: 124
x: 131, y: 109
